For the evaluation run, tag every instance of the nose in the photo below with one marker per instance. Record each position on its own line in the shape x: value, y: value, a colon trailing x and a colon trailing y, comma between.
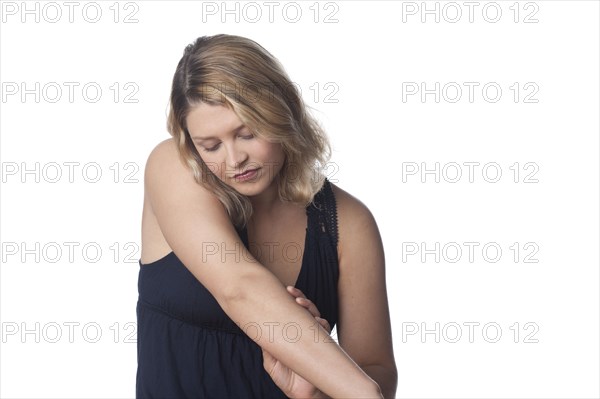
x: 236, y: 158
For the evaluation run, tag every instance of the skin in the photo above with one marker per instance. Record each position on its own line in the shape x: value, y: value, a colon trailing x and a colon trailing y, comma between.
x: 364, y: 331
x: 292, y: 384
x: 235, y: 151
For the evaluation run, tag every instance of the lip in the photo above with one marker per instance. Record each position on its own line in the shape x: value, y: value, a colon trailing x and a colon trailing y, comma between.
x: 250, y: 173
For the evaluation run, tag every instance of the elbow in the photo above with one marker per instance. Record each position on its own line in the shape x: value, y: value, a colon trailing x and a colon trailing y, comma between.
x: 385, y: 376
x: 234, y: 291
x: 240, y: 287
x: 251, y: 290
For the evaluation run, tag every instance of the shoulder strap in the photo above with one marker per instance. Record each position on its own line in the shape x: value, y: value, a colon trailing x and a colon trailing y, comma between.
x: 325, y: 209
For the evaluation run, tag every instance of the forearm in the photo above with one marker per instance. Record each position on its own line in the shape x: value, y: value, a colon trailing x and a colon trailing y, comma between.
x: 320, y: 395
x: 383, y: 376
x: 386, y: 378
x: 265, y: 311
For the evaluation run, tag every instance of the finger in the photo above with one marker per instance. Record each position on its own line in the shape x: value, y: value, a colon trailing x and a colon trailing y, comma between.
x: 303, y: 300
x: 267, y: 358
x: 325, y: 324
x: 268, y: 362
x: 295, y: 291
x: 308, y: 304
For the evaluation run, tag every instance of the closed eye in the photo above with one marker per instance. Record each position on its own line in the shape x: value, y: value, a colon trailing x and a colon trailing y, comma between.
x: 216, y: 147
x: 211, y: 149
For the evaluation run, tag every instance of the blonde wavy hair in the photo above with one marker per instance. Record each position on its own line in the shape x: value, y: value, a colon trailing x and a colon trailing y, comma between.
x: 238, y: 73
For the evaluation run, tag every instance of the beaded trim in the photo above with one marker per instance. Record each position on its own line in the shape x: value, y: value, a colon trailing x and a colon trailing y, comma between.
x: 327, y: 219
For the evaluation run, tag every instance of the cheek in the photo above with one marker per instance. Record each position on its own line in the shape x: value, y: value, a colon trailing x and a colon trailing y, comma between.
x: 273, y: 152
x: 213, y: 164
x: 276, y: 159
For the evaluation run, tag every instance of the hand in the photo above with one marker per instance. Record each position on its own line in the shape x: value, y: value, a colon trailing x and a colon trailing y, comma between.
x: 292, y: 384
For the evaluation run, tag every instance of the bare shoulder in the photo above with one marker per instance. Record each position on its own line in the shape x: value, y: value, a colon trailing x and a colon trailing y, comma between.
x: 353, y: 215
x: 164, y: 154
x: 165, y: 169
x: 350, y: 208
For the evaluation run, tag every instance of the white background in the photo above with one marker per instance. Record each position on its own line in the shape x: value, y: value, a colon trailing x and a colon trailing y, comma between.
x: 368, y: 54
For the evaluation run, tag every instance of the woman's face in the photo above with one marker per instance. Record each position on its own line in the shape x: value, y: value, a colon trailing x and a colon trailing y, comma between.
x: 229, y: 148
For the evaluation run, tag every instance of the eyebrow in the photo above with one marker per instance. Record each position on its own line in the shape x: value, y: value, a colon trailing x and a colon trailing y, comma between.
x: 237, y: 129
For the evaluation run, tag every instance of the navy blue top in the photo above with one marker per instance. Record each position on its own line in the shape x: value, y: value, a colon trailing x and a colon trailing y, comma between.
x: 187, y: 346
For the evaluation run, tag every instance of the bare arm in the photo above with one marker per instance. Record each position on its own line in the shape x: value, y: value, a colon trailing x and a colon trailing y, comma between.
x: 386, y: 378
x: 364, y: 326
x: 192, y: 220
x: 290, y: 333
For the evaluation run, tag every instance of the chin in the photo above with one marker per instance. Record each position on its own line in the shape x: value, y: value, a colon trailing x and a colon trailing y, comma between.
x: 247, y: 188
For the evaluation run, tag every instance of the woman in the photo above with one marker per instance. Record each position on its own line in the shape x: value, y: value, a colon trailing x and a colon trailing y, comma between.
x: 218, y: 319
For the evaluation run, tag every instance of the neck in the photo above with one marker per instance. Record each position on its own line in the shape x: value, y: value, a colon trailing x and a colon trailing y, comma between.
x: 267, y: 202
